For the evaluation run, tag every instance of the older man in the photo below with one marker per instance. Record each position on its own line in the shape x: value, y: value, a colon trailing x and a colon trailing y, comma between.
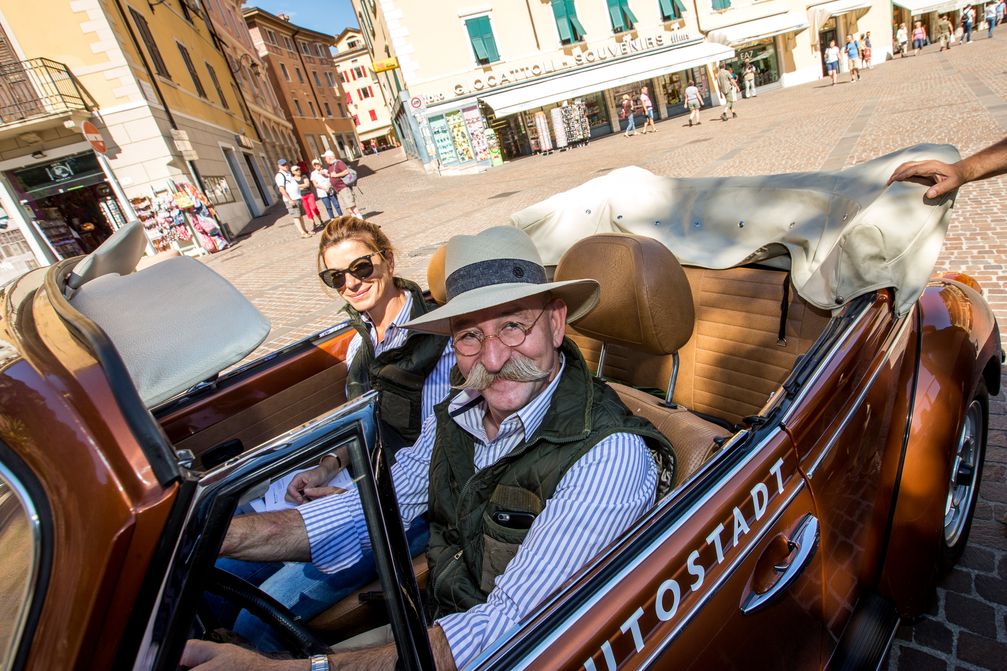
x: 344, y: 194
x: 511, y: 462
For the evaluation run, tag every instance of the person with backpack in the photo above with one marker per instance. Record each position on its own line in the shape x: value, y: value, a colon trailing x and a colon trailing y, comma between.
x: 627, y: 114
x: 342, y: 177
x: 290, y: 191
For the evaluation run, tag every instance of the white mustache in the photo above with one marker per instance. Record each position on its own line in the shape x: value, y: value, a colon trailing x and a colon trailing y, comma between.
x: 518, y: 368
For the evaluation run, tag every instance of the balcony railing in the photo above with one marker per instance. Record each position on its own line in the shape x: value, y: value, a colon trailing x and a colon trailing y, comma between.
x: 37, y: 88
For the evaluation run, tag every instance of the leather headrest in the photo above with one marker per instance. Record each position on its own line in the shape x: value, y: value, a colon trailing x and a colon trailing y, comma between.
x: 646, y: 302
x: 435, y: 276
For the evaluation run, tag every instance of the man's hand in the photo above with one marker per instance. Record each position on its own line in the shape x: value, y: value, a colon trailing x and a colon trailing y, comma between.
x: 207, y: 656
x: 311, y: 484
x: 944, y: 176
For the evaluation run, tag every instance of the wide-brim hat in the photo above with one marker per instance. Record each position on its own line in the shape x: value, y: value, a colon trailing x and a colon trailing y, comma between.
x: 497, y: 266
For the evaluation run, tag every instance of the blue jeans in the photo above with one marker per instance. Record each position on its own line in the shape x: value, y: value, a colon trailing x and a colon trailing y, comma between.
x: 303, y: 589
x: 631, y: 125
x: 968, y: 31
x: 331, y: 204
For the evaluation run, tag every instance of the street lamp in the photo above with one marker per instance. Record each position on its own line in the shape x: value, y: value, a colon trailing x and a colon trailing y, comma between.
x: 246, y: 60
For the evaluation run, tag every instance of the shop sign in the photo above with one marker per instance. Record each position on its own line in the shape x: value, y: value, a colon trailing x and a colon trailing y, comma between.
x: 610, y: 51
x: 93, y: 137
x: 58, y: 172
x: 385, y: 65
x: 243, y: 141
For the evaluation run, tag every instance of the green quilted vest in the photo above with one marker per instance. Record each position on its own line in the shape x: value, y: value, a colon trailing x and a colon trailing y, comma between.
x: 397, y: 374
x: 468, y: 548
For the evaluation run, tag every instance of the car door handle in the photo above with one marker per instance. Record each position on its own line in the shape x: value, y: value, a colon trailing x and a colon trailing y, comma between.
x: 802, y: 544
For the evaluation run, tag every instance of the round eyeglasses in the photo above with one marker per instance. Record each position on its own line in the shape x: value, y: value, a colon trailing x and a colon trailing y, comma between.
x: 512, y: 334
x: 361, y: 267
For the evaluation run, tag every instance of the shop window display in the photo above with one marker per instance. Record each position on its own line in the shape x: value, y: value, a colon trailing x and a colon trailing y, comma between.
x: 763, y: 56
x: 179, y: 217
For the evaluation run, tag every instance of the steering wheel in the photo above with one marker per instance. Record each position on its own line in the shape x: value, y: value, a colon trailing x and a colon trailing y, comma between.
x: 290, y: 628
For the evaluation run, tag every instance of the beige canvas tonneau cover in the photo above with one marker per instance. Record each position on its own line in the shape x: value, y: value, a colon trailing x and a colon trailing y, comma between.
x: 845, y: 233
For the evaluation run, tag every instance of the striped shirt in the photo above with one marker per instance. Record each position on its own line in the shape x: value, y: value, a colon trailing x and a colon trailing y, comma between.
x: 594, y: 502
x: 438, y: 384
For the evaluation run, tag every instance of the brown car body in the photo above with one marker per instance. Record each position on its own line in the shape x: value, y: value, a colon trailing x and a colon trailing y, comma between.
x: 850, y: 462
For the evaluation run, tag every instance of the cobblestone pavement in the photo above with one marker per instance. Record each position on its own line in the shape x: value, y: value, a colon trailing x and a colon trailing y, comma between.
x: 958, y: 97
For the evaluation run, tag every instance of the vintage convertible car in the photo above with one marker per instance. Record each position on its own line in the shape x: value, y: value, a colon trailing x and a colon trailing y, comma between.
x: 826, y: 399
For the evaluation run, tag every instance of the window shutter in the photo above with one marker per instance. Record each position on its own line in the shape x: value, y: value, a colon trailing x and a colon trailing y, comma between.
x: 628, y: 13
x: 615, y: 14
x: 562, y: 21
x: 680, y: 7
x: 489, y: 41
x: 475, y: 29
x: 667, y: 9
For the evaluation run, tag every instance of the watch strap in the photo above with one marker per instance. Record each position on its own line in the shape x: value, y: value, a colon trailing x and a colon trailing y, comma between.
x: 319, y: 663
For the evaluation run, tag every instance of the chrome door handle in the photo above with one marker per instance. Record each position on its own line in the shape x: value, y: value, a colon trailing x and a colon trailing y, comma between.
x: 803, y: 545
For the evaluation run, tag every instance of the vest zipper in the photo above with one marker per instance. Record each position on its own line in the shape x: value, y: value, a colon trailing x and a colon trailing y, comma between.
x: 440, y: 576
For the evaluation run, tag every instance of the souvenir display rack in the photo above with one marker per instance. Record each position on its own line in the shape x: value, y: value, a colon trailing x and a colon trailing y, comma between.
x: 179, y: 217
x: 57, y: 232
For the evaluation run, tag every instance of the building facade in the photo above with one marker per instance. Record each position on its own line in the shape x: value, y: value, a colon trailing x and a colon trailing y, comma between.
x: 365, y: 98
x: 299, y: 65
x: 477, y: 84
x: 160, y: 97
x: 254, y: 86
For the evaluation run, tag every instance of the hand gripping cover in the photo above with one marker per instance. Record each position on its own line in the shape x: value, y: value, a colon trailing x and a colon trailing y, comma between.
x: 174, y: 324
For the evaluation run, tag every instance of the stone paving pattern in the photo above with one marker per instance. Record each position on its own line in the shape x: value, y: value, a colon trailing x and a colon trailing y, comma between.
x: 958, y: 97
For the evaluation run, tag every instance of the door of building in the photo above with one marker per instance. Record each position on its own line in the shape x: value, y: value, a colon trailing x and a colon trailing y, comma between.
x: 239, y: 177
x: 260, y: 184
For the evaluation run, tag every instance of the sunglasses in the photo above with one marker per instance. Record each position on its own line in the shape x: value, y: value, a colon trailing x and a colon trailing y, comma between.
x: 362, y: 268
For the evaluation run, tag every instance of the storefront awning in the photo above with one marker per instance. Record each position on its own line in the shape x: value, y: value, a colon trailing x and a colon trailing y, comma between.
x: 820, y: 14
x: 751, y: 31
x: 377, y: 132
x: 602, y: 77
x: 918, y: 7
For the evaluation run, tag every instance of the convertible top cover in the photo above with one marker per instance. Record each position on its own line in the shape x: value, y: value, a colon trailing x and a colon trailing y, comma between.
x: 846, y: 232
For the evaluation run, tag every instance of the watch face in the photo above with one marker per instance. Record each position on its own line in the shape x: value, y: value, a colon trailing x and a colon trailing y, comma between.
x: 319, y: 663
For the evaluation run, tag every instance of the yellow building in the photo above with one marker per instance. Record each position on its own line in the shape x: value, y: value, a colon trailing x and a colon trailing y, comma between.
x: 159, y: 91
x: 364, y: 96
x: 474, y: 84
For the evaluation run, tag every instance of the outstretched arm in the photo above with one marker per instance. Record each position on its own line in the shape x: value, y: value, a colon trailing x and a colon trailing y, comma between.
x: 989, y: 162
x: 276, y: 536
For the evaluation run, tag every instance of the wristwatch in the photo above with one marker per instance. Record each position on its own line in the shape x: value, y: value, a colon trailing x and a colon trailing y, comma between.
x: 319, y: 663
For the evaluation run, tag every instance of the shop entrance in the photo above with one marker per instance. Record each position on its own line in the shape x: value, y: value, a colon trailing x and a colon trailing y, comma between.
x: 71, y: 204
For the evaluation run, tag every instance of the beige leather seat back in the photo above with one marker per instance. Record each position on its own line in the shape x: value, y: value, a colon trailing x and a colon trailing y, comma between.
x: 646, y: 308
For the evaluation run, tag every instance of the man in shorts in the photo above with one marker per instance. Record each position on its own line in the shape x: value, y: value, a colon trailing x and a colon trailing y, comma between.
x: 727, y: 90
x: 290, y: 191
x: 344, y: 194
x: 648, y: 109
x: 832, y: 61
x: 853, y: 54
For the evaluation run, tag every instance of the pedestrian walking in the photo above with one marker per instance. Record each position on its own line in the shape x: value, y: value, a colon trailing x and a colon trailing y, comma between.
x: 944, y: 29
x: 902, y: 38
x: 648, y: 109
x: 919, y: 37
x: 629, y: 114
x: 290, y: 191
x: 991, y: 18
x: 728, y: 87
x: 1001, y: 7
x: 324, y: 193
x: 852, y: 50
x: 968, y: 22
x: 868, y: 62
x: 749, y: 75
x: 832, y: 61
x: 312, y: 217
x: 693, y: 102
x: 344, y: 194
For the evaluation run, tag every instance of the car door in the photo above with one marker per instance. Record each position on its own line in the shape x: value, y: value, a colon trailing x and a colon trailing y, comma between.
x: 725, y: 575
x: 847, y: 425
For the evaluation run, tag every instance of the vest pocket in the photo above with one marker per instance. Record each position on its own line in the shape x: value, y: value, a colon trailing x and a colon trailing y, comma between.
x: 500, y: 544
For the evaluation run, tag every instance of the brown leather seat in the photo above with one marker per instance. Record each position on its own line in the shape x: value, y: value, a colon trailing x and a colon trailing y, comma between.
x: 646, y: 305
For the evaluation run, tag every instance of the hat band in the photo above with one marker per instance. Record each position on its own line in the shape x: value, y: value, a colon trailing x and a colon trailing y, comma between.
x: 493, y: 271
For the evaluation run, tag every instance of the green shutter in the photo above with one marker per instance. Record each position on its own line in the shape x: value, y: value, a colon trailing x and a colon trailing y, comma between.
x: 680, y: 7
x: 667, y: 10
x: 575, y: 25
x: 615, y: 13
x: 562, y: 21
x: 721, y: 4
x: 476, y: 29
x: 489, y: 42
x: 628, y: 13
